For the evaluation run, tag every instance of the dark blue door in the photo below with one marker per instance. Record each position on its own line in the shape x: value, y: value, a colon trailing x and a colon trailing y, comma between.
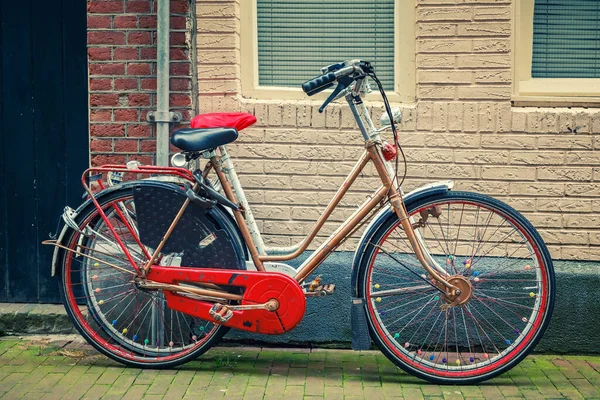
x: 43, y: 136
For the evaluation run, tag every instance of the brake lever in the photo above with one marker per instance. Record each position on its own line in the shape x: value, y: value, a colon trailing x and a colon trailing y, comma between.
x: 343, y: 83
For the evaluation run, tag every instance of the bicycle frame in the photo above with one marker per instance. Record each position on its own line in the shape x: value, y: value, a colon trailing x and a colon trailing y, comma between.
x: 226, y: 173
x: 250, y: 233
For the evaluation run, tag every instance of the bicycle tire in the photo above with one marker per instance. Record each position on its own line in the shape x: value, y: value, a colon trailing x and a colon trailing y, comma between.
x: 512, y: 283
x: 86, y: 293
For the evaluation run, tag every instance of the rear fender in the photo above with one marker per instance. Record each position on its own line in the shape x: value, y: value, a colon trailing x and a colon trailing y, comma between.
x: 63, y: 228
x: 225, y: 219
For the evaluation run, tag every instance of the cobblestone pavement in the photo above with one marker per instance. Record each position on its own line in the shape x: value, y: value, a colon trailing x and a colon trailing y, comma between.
x: 47, y: 368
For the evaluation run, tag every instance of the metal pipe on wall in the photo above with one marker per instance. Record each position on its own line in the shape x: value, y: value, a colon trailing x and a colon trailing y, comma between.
x: 162, y: 116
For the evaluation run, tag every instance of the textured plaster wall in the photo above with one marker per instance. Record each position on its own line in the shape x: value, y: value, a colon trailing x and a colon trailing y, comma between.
x: 543, y: 161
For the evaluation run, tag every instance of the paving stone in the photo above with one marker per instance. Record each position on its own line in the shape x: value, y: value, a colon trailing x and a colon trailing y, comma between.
x: 35, y: 370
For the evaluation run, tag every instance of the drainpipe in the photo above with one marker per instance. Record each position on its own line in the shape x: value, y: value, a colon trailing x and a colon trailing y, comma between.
x: 162, y: 116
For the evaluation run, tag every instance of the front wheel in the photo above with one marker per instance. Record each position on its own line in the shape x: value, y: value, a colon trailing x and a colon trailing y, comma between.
x: 498, y: 260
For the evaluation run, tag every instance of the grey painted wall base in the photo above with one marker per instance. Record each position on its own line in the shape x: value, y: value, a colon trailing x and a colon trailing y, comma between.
x: 574, y: 328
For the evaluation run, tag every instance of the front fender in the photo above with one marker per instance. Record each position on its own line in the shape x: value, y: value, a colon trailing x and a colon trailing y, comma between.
x: 419, y: 193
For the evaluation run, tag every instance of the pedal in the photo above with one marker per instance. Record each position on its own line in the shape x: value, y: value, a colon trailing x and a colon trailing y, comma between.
x: 220, y: 313
x: 316, y: 288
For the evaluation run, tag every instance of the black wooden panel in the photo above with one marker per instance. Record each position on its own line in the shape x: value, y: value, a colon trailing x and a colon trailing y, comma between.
x: 43, y: 136
x: 3, y: 227
x: 19, y: 150
x: 50, y: 160
x: 75, y: 83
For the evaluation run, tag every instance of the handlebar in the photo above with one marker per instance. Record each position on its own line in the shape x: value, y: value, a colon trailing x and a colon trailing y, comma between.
x: 319, y: 83
x: 337, y: 72
x: 324, y: 81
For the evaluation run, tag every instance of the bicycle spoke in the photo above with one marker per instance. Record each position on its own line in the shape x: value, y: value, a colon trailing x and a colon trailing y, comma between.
x: 503, y: 272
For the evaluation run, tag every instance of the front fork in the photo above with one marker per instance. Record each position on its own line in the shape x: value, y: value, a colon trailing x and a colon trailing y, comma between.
x: 387, y: 175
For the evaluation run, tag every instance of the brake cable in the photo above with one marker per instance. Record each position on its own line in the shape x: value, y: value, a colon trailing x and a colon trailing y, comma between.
x: 397, y: 145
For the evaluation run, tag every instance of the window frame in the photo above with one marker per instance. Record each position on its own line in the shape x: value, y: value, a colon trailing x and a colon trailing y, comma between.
x: 526, y: 89
x: 404, y: 57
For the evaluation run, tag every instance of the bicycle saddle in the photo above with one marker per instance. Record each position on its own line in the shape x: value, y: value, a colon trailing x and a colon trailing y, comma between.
x: 198, y: 139
x: 211, y: 130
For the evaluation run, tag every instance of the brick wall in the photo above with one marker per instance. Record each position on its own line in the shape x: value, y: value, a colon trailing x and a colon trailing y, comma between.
x: 543, y: 161
x: 122, y: 76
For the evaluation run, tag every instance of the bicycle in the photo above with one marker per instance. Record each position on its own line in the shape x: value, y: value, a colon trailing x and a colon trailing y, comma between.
x: 453, y: 287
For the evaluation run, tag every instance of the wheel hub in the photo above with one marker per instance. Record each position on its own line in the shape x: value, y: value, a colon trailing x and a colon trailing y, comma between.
x: 460, y: 296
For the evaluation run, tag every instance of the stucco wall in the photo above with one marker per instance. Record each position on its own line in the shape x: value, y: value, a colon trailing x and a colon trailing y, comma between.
x: 462, y: 126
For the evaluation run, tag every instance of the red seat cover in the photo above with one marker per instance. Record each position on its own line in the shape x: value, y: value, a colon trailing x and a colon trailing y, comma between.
x: 238, y: 121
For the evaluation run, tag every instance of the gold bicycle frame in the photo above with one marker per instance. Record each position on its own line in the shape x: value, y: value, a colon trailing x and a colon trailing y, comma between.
x: 372, y: 153
x: 388, y: 189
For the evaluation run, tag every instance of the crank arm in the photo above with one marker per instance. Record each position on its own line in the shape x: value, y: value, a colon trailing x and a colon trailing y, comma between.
x: 271, y: 305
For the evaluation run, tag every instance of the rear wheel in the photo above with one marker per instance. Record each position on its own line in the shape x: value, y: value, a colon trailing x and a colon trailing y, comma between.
x: 498, y: 260
x: 128, y: 324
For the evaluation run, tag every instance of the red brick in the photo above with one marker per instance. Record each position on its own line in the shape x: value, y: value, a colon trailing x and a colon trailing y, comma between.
x: 125, y: 21
x: 107, y: 130
x: 101, y: 84
x: 100, y: 115
x: 126, y: 115
x: 144, y: 160
x: 180, y: 69
x: 138, y: 6
x: 107, y: 69
x: 139, y: 100
x: 125, y: 53
x: 180, y: 100
x: 126, y: 84
x: 179, y: 6
x: 148, y: 53
x: 139, y: 130
x: 100, y: 146
x: 107, y: 159
x: 148, y: 146
x: 178, y: 54
x: 105, y: 37
x: 139, y: 38
x: 105, y: 7
x: 178, y: 22
x: 97, y: 100
x: 149, y: 84
x: 126, y: 146
x: 99, y: 53
x: 185, y: 116
x: 180, y: 84
x: 147, y: 21
x: 98, y: 21
x: 138, y: 69
x: 178, y: 38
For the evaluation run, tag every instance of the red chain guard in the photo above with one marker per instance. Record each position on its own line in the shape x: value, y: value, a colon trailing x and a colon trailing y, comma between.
x: 260, y: 287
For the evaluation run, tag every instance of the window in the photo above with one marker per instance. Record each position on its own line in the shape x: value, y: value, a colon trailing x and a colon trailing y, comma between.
x: 286, y: 42
x: 297, y: 38
x: 557, y: 51
x: 566, y: 39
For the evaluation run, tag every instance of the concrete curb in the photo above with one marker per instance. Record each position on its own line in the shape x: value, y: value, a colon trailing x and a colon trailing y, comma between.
x: 20, y: 319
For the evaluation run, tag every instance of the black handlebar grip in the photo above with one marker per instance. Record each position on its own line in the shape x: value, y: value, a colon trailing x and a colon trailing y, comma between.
x: 318, y: 84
